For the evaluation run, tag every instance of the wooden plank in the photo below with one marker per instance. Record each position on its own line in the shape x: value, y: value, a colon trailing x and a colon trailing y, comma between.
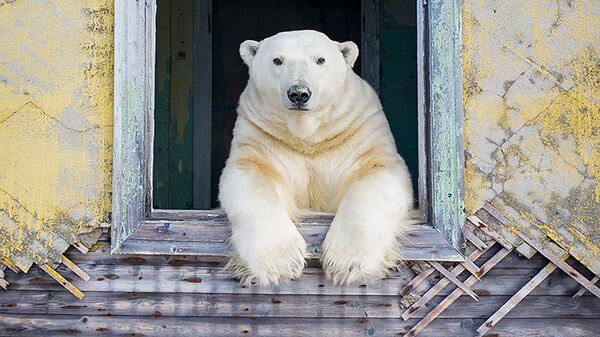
x: 63, y: 282
x: 276, y: 305
x: 80, y: 247
x: 410, y: 311
x: 582, y: 291
x: 416, y: 281
x: 177, y: 277
x: 370, y: 49
x: 202, y: 104
x: 591, y: 287
x: 158, y: 184
x: 10, y: 265
x: 453, y: 279
x: 445, y: 125
x: 516, y: 299
x: 75, y: 268
x: 131, y: 107
x: 181, y: 111
x: 56, y: 325
x: 471, y: 237
x: 477, y: 222
x: 417, y: 328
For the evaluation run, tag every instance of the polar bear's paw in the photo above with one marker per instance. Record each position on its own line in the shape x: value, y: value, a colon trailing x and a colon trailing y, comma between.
x: 349, y: 265
x: 269, y: 264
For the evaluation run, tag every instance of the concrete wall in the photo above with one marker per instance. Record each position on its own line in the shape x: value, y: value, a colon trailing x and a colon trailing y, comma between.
x: 532, y: 119
x: 55, y: 125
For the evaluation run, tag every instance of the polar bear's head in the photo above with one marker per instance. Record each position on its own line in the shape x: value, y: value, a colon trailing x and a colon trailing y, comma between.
x: 299, y: 71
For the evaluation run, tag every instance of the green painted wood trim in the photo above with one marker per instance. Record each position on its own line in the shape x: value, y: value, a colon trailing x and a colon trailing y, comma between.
x: 446, y: 152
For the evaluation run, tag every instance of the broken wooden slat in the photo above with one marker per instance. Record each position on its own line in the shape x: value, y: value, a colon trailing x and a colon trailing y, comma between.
x: 591, y: 287
x: 415, y: 281
x: 516, y: 298
x: 80, y: 247
x: 474, y: 239
x: 75, y: 268
x: 10, y: 265
x: 475, y: 220
x: 501, y: 254
x: 454, y: 280
x: 583, y: 290
x: 3, y: 282
x: 471, y: 267
x: 60, y: 279
x: 410, y: 311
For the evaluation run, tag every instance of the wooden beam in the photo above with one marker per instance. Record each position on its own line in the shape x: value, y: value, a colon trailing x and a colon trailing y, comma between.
x: 75, y: 268
x: 415, y: 281
x: 475, y: 220
x: 516, y: 299
x: 456, y: 293
x: 454, y: 280
x: 583, y: 290
x: 10, y: 265
x: 60, y: 279
x: 591, y: 287
x: 410, y: 311
x: 80, y: 247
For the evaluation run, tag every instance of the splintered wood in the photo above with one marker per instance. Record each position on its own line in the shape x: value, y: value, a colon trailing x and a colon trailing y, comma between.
x: 481, y: 236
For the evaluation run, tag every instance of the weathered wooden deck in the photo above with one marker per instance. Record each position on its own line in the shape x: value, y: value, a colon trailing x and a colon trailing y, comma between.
x: 182, y: 296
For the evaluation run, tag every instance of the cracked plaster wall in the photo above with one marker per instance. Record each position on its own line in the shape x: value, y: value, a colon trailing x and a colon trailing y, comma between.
x: 532, y: 122
x: 56, y: 120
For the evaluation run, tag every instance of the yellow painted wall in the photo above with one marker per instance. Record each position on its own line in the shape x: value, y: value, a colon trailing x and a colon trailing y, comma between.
x: 531, y: 84
x: 532, y: 119
x: 55, y: 125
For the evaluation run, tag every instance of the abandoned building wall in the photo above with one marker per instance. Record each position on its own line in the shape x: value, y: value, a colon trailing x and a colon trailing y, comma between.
x: 56, y: 95
x: 532, y: 121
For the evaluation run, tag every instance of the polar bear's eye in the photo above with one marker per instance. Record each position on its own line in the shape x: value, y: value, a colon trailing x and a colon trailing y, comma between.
x: 277, y: 61
x: 320, y: 61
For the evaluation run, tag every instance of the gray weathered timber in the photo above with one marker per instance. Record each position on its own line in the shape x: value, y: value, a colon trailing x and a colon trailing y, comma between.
x: 258, y: 305
x: 168, y: 278
x: 57, y: 325
x: 446, y: 156
x: 370, y: 50
x: 131, y: 103
x: 202, y: 103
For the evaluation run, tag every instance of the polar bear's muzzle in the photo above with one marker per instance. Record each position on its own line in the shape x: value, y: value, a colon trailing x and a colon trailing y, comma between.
x: 298, y: 95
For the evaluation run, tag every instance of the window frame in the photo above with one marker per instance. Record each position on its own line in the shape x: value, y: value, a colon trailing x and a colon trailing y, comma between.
x: 137, y: 228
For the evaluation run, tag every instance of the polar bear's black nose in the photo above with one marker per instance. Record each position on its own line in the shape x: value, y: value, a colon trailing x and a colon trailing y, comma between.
x: 298, y: 94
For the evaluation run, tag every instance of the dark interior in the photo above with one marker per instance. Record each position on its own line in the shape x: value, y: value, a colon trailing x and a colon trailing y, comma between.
x: 236, y: 21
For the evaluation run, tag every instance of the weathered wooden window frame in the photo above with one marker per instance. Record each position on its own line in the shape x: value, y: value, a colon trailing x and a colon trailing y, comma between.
x: 137, y: 228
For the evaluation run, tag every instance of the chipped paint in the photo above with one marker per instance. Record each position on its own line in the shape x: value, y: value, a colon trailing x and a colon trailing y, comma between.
x: 55, y: 126
x: 532, y: 119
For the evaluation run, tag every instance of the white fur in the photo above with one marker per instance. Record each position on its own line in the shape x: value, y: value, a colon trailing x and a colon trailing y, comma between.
x: 337, y: 156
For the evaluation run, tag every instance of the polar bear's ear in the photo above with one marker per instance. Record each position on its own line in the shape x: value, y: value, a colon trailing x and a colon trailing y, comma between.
x: 248, y: 49
x: 350, y: 51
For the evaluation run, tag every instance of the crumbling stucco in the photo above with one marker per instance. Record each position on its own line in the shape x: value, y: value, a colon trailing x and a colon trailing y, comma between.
x: 55, y: 126
x: 532, y: 118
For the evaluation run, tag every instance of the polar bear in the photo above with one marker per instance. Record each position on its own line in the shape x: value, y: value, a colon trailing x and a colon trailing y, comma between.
x: 311, y: 134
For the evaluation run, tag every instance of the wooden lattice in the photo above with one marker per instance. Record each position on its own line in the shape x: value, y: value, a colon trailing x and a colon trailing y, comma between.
x: 481, y: 235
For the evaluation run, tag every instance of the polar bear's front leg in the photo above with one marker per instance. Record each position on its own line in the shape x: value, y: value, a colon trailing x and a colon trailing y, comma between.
x: 266, y: 245
x: 362, y: 240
